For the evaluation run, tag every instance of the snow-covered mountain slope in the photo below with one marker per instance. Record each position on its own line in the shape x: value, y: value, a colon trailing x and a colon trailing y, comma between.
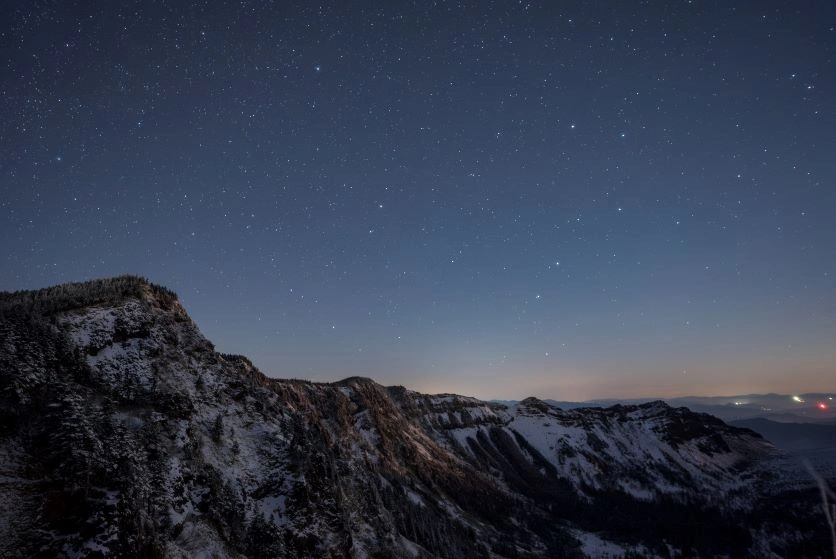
x: 600, y: 449
x: 123, y: 433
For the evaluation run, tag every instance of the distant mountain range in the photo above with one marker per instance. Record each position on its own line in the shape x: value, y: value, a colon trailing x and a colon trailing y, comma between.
x: 792, y: 408
x: 124, y: 433
x: 797, y: 422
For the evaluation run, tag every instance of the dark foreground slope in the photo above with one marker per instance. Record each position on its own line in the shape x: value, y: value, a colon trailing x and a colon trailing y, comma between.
x: 123, y: 433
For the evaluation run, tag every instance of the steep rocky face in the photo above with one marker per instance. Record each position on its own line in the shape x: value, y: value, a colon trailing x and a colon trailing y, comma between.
x: 122, y: 432
x: 600, y: 449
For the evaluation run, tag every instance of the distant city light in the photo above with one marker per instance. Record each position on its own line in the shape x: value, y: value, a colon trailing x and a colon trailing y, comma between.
x: 822, y: 406
x: 798, y: 399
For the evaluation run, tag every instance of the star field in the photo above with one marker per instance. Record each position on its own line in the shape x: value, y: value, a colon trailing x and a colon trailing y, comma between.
x: 574, y: 199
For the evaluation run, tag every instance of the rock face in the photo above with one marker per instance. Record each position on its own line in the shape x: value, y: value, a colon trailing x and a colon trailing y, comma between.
x: 123, y: 433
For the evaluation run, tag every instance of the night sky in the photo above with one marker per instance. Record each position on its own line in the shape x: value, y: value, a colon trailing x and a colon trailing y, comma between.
x: 569, y: 199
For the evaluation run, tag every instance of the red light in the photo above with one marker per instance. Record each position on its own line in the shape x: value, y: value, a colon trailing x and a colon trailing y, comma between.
x: 822, y: 406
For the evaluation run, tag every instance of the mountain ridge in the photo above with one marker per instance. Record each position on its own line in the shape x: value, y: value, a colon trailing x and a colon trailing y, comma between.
x: 125, y: 433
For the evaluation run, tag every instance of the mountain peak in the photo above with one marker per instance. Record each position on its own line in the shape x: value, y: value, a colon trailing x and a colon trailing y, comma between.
x: 76, y: 295
x: 655, y: 405
x: 355, y: 381
x: 535, y: 405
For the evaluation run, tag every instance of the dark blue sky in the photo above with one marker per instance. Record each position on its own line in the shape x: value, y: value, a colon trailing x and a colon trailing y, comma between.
x: 568, y: 199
